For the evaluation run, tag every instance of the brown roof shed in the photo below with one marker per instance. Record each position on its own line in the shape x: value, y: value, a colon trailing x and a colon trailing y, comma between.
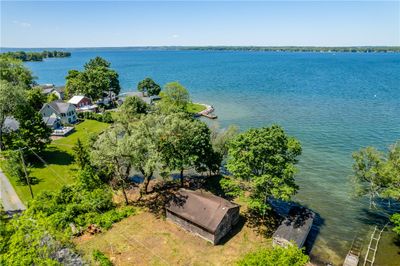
x: 204, y: 210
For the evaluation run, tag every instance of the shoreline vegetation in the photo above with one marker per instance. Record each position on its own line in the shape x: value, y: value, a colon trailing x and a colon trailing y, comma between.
x: 327, y: 49
x: 36, y: 56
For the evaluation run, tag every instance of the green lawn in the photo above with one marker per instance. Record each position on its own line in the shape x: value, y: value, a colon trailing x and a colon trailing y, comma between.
x: 195, y: 108
x: 60, y: 168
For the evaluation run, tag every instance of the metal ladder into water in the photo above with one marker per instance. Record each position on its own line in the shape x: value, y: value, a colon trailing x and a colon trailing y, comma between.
x: 373, y: 246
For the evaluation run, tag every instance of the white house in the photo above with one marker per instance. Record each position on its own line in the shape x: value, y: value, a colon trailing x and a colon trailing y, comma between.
x: 66, y: 112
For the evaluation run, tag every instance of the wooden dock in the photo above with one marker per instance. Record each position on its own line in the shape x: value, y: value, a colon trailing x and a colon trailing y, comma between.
x: 208, y: 112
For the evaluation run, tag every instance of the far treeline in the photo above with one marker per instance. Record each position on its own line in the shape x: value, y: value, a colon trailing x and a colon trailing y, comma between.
x: 37, y: 56
x: 351, y: 49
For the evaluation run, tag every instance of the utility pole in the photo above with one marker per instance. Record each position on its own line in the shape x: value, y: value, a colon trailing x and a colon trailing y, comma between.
x: 26, y: 173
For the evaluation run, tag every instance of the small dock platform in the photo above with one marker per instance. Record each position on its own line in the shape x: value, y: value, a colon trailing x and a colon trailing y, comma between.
x: 208, y: 112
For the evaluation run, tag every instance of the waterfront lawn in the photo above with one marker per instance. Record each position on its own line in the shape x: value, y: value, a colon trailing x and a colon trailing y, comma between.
x: 59, y: 168
x: 194, y: 108
x: 144, y: 239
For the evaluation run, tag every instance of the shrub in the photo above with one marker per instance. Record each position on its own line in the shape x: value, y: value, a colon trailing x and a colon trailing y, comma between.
x: 230, y: 187
x: 100, y: 258
x: 106, y: 117
x: 278, y: 256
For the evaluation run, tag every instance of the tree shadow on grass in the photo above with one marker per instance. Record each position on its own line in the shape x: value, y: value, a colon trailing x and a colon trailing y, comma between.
x: 156, y: 201
x: 53, y: 155
x: 264, y: 225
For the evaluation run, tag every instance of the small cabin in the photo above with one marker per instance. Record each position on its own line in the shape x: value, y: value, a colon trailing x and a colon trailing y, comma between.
x: 203, y: 214
x: 294, y: 228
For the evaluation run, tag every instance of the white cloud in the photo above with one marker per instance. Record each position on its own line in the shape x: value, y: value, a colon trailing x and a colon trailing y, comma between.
x: 22, y: 24
x: 175, y: 36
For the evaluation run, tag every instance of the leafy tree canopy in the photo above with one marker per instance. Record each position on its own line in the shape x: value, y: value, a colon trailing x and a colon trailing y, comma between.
x: 176, y: 95
x: 36, y: 98
x: 186, y: 143
x: 149, y: 86
x: 94, y: 80
x: 277, y: 256
x: 132, y: 108
x: 377, y: 175
x: 11, y: 97
x: 265, y: 157
x: 14, y: 72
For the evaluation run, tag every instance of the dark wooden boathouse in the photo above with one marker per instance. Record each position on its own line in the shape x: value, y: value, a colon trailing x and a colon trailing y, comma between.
x: 204, y: 214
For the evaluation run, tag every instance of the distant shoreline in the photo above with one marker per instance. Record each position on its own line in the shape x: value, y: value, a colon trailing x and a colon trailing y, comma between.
x: 325, y: 49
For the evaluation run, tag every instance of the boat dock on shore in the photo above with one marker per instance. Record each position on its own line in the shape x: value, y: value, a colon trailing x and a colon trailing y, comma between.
x: 208, y: 112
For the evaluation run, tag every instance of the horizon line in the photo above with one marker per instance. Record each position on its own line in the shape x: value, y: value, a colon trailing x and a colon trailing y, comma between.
x: 208, y: 46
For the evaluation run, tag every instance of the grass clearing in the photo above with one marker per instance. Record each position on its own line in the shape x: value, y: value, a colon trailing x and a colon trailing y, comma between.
x: 59, y: 156
x: 195, y: 108
x: 144, y: 239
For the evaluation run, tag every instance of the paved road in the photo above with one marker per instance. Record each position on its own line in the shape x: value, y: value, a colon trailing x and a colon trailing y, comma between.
x: 8, y: 196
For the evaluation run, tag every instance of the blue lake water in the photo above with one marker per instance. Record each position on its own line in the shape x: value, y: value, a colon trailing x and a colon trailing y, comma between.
x: 333, y: 103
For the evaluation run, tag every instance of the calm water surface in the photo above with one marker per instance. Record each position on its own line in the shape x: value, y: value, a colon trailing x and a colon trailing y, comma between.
x: 333, y: 103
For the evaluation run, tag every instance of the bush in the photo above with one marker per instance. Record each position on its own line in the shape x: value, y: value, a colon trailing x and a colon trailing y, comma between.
x: 100, y: 258
x: 278, y: 256
x: 395, y: 219
x: 230, y: 187
x: 106, y: 117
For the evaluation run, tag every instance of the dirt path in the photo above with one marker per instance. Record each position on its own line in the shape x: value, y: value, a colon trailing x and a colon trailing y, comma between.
x: 8, y: 196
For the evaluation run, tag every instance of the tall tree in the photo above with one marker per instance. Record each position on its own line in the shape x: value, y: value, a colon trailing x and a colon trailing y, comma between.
x: 36, y: 98
x: 265, y: 157
x: 149, y: 86
x: 144, y: 142
x: 11, y: 96
x: 112, y: 151
x: 97, y: 62
x: 186, y: 143
x: 81, y: 154
x: 131, y: 111
x: 14, y: 72
x: 94, y: 80
x: 175, y: 94
x: 377, y: 175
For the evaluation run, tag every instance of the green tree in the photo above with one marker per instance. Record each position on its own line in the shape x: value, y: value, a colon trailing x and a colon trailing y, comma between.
x: 32, y: 242
x: 144, y: 142
x: 36, y: 98
x: 88, y: 179
x: 185, y: 143
x: 94, y: 80
x: 97, y: 62
x: 14, y: 72
x: 13, y: 166
x: 265, y: 157
x: 51, y: 98
x: 176, y: 95
x: 10, y: 98
x: 149, y: 86
x: 278, y: 256
x: 220, y: 139
x: 81, y: 154
x: 131, y: 109
x: 112, y: 152
x: 32, y: 133
x: 377, y: 175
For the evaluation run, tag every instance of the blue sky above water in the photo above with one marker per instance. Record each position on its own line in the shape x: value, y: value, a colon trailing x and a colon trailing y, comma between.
x: 132, y: 23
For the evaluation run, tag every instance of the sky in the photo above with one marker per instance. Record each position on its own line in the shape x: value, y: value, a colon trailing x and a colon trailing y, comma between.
x: 184, y: 23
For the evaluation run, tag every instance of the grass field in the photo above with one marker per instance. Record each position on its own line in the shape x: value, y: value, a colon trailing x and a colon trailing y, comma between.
x: 195, y: 108
x: 60, y: 168
x: 144, y: 239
